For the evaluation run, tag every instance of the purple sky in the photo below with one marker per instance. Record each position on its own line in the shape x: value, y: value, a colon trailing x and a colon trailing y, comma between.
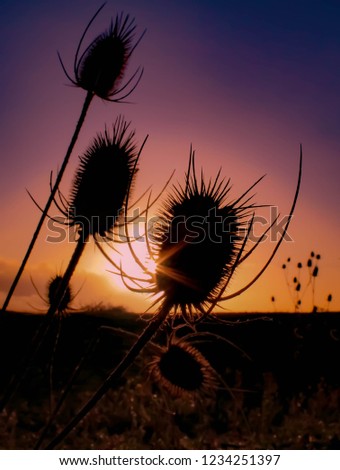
x: 245, y: 82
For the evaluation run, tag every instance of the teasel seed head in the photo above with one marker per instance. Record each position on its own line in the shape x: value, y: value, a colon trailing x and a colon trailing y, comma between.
x: 103, y: 180
x: 198, y: 240
x: 197, y: 244
x: 182, y: 370
x: 53, y: 287
x: 100, y: 68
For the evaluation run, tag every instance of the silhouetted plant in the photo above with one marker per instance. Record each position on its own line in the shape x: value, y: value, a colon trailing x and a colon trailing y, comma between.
x: 181, y: 289
x: 182, y: 370
x: 65, y: 301
x: 329, y: 300
x: 99, y: 70
x: 52, y: 287
x: 301, y: 283
x: 98, y: 196
x: 64, y: 305
x: 99, y: 192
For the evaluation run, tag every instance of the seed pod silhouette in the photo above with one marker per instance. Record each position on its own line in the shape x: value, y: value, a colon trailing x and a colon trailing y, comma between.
x: 182, y: 370
x: 100, y: 68
x: 102, y: 181
x: 197, y: 243
x: 64, y: 302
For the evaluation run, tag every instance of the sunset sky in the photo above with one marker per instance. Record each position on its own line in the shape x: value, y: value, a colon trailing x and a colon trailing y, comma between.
x: 245, y: 82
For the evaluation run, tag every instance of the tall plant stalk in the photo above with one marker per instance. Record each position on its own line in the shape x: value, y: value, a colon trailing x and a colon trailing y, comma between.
x: 20, y: 374
x: 50, y: 200
x: 98, y: 70
x: 99, y: 194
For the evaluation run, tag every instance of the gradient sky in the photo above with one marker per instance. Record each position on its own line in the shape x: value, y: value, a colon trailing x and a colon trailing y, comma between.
x: 244, y: 81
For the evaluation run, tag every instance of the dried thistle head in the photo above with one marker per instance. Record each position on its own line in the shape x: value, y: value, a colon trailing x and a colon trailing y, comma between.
x: 183, y: 371
x: 198, y: 243
x: 103, y: 180
x: 198, y: 240
x: 53, y: 295
x: 100, y: 68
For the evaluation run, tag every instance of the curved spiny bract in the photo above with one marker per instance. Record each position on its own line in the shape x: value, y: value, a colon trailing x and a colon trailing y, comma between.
x: 99, y: 69
x: 102, y: 181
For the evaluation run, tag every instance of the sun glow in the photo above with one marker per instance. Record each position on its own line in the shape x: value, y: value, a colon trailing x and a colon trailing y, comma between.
x: 123, y: 260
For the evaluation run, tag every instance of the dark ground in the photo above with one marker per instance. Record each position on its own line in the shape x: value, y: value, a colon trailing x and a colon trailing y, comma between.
x: 288, y: 359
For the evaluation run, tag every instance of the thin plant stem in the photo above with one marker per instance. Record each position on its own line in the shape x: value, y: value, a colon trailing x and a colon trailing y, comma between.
x: 54, y: 190
x: 126, y: 362
x: 38, y: 339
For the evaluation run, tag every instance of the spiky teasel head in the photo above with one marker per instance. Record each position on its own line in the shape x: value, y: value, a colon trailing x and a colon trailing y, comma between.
x: 103, y: 180
x: 182, y: 370
x: 197, y: 241
x: 100, y: 68
x: 53, y: 287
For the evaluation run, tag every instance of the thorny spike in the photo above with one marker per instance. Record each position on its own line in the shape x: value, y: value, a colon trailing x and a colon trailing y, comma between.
x: 75, y: 66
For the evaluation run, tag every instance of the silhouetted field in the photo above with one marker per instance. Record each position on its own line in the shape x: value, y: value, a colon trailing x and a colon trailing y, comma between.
x: 280, y: 377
